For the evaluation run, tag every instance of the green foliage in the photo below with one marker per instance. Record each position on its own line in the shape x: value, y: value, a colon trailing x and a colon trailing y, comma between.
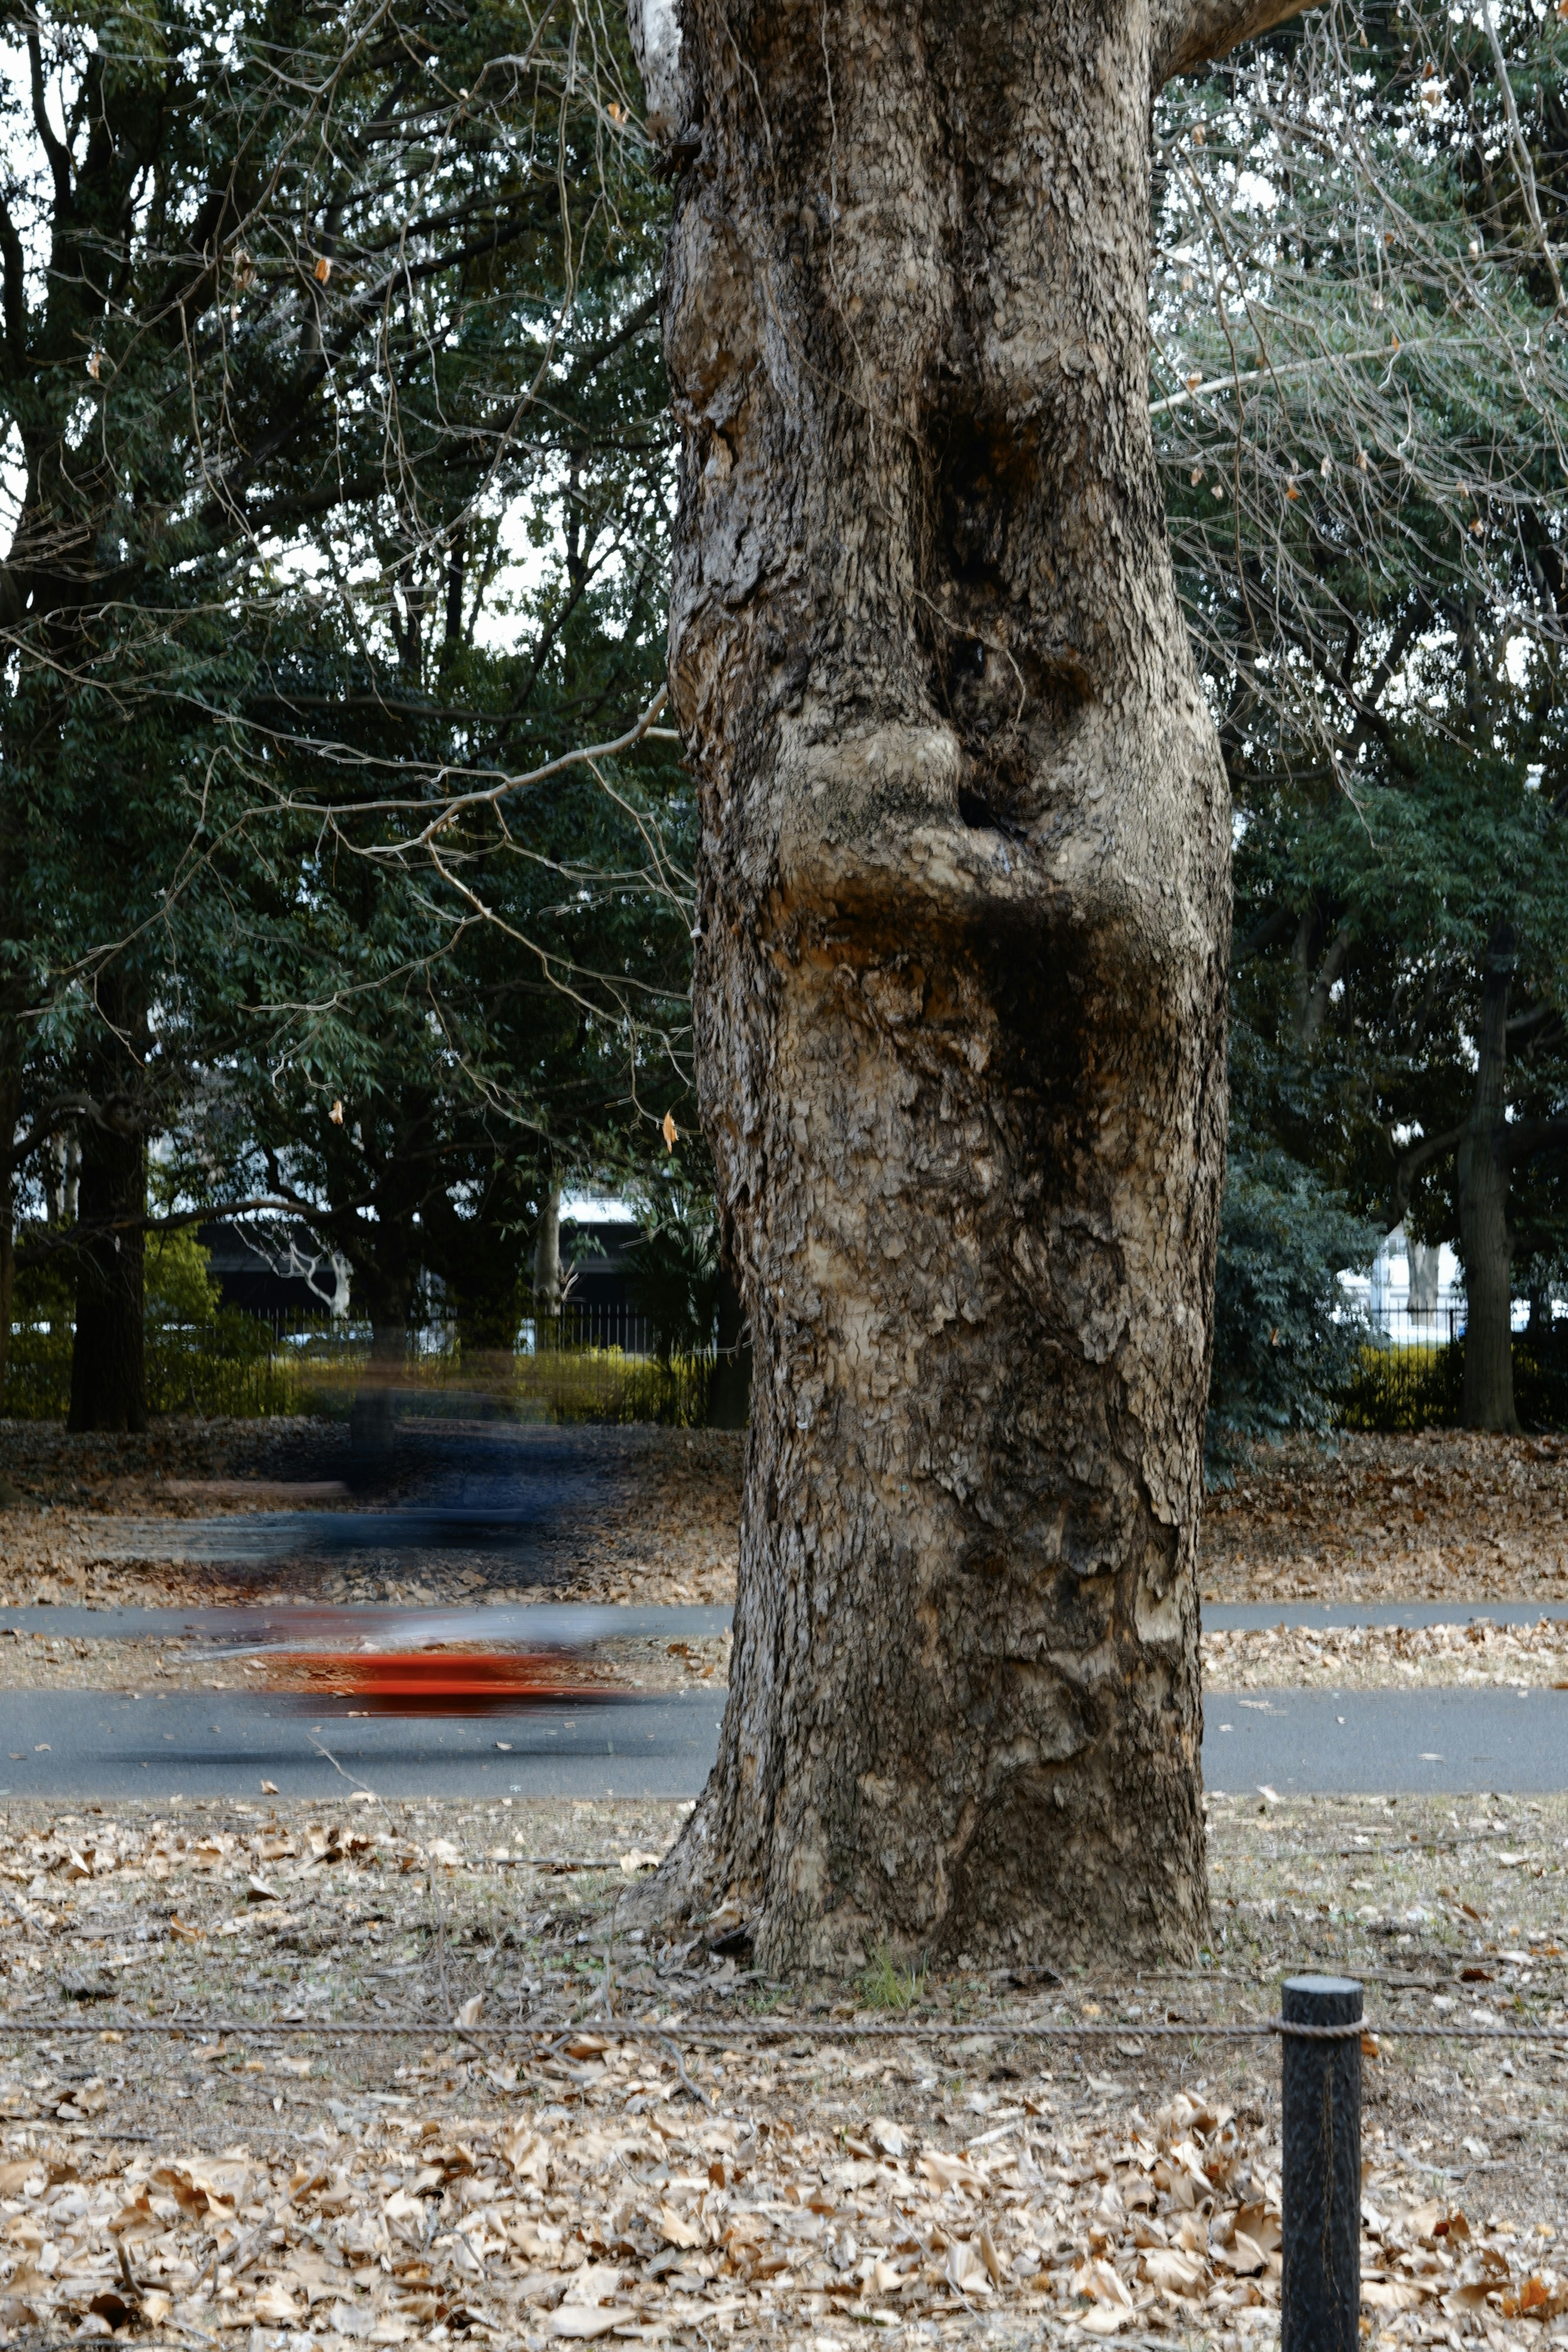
x: 1404, y: 1389
x: 1360, y: 409
x: 222, y: 1368
x: 319, y: 321
x: 180, y: 1285
x: 202, y: 1356
x: 1410, y: 1388
x: 564, y: 1384
x: 1286, y: 1340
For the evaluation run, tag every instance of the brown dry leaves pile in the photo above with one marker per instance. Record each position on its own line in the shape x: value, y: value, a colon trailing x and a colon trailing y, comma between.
x: 600, y: 2199
x: 1448, y: 1514
x: 1374, y: 1658
x: 629, y: 2213
x: 587, y: 2180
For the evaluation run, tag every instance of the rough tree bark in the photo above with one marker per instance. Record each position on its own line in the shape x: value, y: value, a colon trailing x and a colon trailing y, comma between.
x: 1483, y: 1171
x: 961, y: 972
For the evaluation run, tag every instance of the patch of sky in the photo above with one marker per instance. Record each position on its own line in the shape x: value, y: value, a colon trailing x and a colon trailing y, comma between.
x: 1254, y: 194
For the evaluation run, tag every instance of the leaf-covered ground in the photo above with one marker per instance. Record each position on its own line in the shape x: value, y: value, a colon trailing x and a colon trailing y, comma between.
x: 960, y: 2179
x: 1381, y: 1657
x: 654, y: 1517
x: 1445, y: 1516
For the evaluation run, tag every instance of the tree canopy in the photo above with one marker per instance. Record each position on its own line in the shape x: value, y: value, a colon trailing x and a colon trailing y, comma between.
x: 336, y: 437
x: 338, y: 446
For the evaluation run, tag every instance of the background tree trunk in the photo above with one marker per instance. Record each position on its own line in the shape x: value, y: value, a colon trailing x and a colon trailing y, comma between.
x: 1424, y: 1260
x: 547, y: 1269
x: 1482, y: 1172
x: 8, y: 1297
x: 384, y: 1292
x: 108, y: 1355
x: 10, y: 1117
x: 961, y: 975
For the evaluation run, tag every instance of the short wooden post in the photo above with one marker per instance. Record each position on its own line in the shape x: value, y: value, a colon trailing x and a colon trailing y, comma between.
x: 1321, y: 2103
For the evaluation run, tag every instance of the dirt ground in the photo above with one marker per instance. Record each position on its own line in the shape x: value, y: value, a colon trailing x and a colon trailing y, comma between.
x: 1448, y: 1514
x: 421, y: 2183
x: 79, y: 1519
x: 942, y: 2171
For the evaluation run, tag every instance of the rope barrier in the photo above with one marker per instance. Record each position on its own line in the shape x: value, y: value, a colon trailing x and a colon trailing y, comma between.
x: 784, y: 2029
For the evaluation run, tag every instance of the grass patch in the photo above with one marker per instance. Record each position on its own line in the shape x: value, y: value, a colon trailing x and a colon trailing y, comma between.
x: 884, y: 1985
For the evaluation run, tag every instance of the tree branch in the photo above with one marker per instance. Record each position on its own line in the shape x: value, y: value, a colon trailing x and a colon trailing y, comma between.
x: 1527, y: 1139
x: 1525, y: 1024
x: 1407, y: 1168
x: 55, y: 149
x: 1188, y: 33
x: 1524, y: 171
x: 78, y: 1236
x: 1266, y: 933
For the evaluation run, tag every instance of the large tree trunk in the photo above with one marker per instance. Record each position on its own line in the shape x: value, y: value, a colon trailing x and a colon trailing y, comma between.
x: 108, y: 1355
x: 1483, y: 1171
x: 960, y: 973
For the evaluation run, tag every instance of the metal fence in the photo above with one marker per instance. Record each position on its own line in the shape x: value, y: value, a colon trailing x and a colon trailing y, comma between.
x: 585, y: 1364
x: 1411, y: 1373
x: 609, y: 1329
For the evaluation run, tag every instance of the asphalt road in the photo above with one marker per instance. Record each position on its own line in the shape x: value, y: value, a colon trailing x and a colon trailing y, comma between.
x: 1386, y: 1742
x: 548, y: 1621
x: 1262, y: 1616
x: 107, y: 1743
x: 100, y: 1743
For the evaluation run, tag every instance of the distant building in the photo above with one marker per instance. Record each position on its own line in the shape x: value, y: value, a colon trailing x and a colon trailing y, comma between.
x: 1415, y: 1292
x: 276, y: 1270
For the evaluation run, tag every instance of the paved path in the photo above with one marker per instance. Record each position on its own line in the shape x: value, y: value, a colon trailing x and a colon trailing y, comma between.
x: 102, y: 1744
x: 225, y: 1744
x: 1386, y: 1742
x: 314, y: 1622
x: 551, y: 1621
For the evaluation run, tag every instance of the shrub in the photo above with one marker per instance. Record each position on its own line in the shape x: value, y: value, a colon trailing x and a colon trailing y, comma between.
x: 1286, y: 1340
